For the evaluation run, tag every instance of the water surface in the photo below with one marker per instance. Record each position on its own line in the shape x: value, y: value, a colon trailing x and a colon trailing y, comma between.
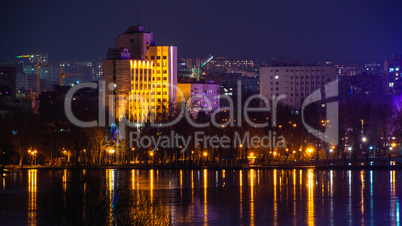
x: 245, y: 197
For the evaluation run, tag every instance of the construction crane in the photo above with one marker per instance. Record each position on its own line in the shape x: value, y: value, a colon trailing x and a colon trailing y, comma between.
x: 37, y: 75
x: 197, y: 71
x: 62, y: 76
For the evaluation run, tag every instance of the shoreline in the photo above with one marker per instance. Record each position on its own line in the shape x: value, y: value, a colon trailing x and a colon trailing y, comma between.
x: 258, y: 167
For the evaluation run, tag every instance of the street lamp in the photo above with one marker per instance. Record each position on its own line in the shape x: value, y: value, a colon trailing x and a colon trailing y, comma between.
x: 133, y: 149
x: 85, y: 157
x: 32, y: 154
x: 111, y: 151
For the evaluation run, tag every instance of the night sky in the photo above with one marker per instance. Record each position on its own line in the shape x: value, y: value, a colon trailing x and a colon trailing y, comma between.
x: 309, y: 30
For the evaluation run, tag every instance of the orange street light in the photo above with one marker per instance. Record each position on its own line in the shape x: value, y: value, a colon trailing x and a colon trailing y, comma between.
x: 205, y: 153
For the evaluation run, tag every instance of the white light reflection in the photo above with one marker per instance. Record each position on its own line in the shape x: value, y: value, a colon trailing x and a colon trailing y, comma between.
x: 349, y: 209
x: 275, y: 199
x: 331, y: 187
x: 362, y: 194
x: 371, y: 199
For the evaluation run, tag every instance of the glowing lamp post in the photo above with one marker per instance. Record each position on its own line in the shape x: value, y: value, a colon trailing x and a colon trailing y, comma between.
x: 310, y: 151
x: 111, y: 151
x: 133, y: 149
x: 32, y: 154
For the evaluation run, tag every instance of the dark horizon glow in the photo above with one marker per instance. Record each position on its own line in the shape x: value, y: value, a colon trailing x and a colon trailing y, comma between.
x: 312, y: 30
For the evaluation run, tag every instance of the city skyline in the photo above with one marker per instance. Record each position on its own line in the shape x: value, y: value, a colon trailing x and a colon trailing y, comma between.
x: 310, y: 31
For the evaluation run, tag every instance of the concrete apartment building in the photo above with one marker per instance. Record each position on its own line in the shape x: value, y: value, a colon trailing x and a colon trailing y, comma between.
x: 296, y: 82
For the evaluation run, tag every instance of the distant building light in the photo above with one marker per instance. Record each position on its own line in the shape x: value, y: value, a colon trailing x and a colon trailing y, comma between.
x: 276, y: 76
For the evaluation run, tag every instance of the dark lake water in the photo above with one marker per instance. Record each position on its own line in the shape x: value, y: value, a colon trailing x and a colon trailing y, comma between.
x: 233, y: 197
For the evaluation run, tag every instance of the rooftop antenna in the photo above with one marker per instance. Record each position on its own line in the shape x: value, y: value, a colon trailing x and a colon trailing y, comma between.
x: 137, y: 19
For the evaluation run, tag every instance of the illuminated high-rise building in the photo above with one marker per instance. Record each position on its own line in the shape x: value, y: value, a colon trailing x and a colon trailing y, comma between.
x: 143, y: 74
x: 142, y: 93
x: 164, y: 77
x: 135, y: 40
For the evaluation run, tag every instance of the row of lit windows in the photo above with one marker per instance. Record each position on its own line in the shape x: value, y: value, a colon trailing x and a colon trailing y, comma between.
x: 300, y: 70
x: 157, y: 57
x: 301, y: 77
x: 139, y: 79
x: 205, y: 91
x: 296, y: 94
x: 145, y: 86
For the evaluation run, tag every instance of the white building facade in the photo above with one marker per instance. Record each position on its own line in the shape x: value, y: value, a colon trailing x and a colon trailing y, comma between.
x: 296, y: 82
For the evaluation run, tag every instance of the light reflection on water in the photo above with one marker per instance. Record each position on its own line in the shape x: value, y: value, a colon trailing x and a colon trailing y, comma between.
x: 32, y: 192
x: 250, y: 197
